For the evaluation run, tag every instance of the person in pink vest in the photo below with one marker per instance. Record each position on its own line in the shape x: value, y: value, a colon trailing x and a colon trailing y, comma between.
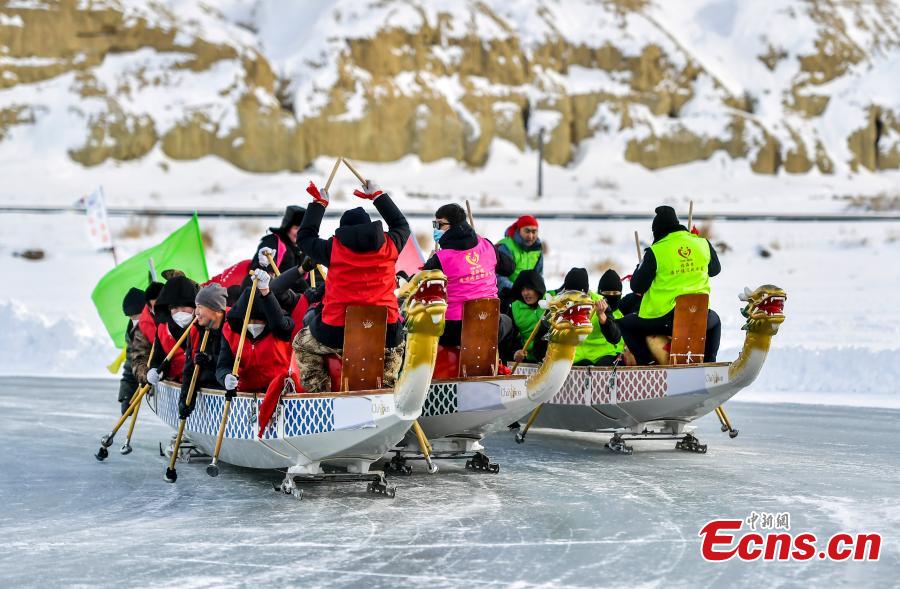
x: 471, y: 263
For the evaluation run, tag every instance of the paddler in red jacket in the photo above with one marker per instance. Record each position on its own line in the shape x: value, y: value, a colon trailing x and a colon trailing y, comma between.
x: 176, y: 305
x: 361, y: 259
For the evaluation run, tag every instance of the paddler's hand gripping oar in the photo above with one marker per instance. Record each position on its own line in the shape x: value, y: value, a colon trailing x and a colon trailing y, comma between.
x: 171, y: 475
x: 213, y: 468
x: 126, y: 447
x: 107, y: 440
x: 272, y: 264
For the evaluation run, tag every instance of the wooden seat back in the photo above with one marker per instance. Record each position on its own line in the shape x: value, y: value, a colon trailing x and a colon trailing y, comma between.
x: 689, y: 329
x: 478, y: 341
x: 688, y: 341
x: 362, y: 366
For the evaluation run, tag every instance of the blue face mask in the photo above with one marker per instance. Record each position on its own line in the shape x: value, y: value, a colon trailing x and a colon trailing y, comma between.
x: 438, y: 233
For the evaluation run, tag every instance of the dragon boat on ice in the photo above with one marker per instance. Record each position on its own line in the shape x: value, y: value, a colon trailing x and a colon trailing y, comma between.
x: 468, y: 399
x: 661, y: 401
x: 331, y: 436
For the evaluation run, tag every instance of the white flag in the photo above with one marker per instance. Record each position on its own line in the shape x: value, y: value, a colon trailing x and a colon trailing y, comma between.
x: 97, y: 222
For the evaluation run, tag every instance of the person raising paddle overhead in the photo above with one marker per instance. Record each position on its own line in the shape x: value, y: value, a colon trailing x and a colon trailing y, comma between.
x: 361, y: 259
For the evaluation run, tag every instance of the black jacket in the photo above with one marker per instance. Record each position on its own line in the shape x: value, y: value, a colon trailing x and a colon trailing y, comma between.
x: 367, y: 237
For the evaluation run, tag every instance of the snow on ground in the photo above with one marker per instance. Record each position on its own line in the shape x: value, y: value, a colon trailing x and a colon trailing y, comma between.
x: 838, y: 345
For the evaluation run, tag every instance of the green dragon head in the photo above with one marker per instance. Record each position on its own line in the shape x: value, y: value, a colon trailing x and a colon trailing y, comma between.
x: 569, y: 317
x: 764, y: 310
x: 425, y: 302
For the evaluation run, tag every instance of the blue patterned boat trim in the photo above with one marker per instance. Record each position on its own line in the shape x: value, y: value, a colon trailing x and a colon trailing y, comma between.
x: 442, y: 400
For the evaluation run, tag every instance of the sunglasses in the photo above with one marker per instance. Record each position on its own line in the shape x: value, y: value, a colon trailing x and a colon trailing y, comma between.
x: 439, y: 224
x: 611, y: 293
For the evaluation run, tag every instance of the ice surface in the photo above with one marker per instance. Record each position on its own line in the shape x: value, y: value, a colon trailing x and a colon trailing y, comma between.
x: 562, y: 512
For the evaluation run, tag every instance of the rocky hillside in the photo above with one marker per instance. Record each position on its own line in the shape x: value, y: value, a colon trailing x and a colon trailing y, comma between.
x: 796, y: 85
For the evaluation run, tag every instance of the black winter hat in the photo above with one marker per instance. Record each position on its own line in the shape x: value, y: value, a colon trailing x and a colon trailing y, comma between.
x: 610, y: 281
x: 180, y: 291
x: 134, y: 302
x: 576, y: 279
x: 665, y: 222
x: 357, y: 216
x: 152, y: 292
x: 452, y: 212
x: 531, y: 279
x: 293, y: 215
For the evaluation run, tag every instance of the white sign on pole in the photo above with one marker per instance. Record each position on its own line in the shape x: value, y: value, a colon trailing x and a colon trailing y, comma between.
x: 97, y: 222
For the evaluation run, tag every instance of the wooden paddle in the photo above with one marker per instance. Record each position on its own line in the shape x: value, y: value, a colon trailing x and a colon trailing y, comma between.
x: 171, y: 475
x: 213, y: 468
x: 107, y: 440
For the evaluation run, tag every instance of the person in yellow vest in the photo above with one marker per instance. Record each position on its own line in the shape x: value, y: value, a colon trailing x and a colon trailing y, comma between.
x: 678, y: 262
x: 604, y: 345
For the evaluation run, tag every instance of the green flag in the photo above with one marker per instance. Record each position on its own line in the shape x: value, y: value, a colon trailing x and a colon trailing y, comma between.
x: 182, y: 250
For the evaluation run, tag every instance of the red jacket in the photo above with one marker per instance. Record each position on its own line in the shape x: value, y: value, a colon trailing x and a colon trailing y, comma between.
x: 356, y: 278
x: 147, y: 324
x: 176, y: 365
x: 261, y: 360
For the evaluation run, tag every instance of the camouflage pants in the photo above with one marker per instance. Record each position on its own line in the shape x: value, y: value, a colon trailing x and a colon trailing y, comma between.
x: 311, y: 362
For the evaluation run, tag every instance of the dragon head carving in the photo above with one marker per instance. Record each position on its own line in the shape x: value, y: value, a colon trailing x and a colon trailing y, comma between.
x: 764, y: 309
x: 570, y: 317
x: 425, y: 302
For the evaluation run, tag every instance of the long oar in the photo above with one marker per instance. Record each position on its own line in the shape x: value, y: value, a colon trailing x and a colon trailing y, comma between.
x: 126, y: 447
x: 425, y: 446
x: 213, y: 468
x: 637, y: 244
x: 171, y: 475
x: 520, y: 437
x: 107, y: 440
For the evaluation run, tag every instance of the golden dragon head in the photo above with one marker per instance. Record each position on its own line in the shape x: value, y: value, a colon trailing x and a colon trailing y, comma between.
x: 764, y: 310
x: 569, y: 316
x: 425, y: 302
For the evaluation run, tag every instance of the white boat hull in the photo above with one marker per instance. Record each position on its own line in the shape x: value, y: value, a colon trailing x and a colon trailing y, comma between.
x: 304, y: 433
x: 603, y: 398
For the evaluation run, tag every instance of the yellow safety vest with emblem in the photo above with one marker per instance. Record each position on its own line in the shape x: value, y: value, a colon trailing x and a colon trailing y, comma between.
x: 682, y: 267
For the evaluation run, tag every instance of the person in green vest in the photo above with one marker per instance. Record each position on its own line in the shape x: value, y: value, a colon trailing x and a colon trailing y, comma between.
x: 604, y: 344
x: 678, y: 262
x: 529, y: 289
x: 523, y: 245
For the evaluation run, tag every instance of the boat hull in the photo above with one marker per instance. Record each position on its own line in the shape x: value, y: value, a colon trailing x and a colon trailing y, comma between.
x: 604, y: 398
x: 305, y: 432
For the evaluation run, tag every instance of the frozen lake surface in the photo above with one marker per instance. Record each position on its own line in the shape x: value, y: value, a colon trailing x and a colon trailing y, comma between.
x: 562, y: 512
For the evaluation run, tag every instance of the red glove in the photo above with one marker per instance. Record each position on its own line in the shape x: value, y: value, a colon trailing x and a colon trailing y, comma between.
x: 320, y: 197
x: 372, y: 191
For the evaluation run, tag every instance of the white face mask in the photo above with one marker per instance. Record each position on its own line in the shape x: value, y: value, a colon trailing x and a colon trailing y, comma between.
x: 255, y: 329
x: 182, y: 319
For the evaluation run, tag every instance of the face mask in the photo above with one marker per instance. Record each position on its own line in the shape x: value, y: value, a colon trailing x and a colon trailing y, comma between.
x: 438, y: 233
x: 255, y: 329
x: 182, y: 319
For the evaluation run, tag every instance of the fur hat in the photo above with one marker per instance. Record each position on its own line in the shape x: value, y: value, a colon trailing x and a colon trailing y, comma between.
x: 293, y: 215
x: 180, y: 291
